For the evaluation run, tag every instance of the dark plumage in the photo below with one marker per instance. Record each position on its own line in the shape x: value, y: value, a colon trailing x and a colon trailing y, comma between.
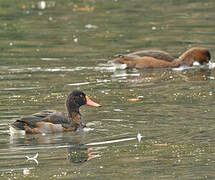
x: 51, y: 121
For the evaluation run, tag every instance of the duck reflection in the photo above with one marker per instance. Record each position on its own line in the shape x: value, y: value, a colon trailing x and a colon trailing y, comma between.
x: 153, y: 76
x: 76, y: 152
x: 186, y: 75
x: 80, y: 153
x: 37, y: 139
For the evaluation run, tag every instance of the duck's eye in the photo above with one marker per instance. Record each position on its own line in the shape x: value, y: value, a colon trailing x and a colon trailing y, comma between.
x: 81, y: 96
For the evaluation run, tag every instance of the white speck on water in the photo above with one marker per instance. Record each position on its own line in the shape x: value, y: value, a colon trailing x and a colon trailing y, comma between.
x: 140, y: 97
x: 75, y: 40
x: 49, y: 59
x: 139, y: 137
x: 90, y: 26
x: 118, y: 110
x: 26, y: 171
x: 42, y: 5
x: 50, y: 18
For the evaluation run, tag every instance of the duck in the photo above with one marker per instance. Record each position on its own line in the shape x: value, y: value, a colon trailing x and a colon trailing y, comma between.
x: 160, y: 59
x: 52, y: 121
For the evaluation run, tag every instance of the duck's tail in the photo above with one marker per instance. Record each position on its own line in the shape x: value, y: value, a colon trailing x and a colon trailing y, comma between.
x: 16, y: 127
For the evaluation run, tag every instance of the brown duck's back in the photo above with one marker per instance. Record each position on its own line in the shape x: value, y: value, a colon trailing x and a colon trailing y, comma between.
x: 154, y: 53
x: 133, y: 60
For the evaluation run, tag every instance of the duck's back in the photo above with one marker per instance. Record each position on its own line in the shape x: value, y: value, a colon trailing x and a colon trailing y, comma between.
x: 162, y: 55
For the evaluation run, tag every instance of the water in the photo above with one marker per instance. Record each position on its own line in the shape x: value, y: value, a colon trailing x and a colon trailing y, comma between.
x: 49, y: 48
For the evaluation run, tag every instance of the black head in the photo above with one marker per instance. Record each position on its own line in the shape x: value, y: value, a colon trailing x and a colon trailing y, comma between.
x: 76, y: 98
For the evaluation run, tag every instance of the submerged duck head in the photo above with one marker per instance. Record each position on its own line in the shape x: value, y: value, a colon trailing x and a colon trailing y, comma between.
x: 200, y: 55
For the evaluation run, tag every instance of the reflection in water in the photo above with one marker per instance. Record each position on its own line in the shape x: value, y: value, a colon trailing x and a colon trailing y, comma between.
x: 195, y: 73
x: 76, y: 152
x: 201, y: 74
x: 80, y: 153
x: 47, y: 139
x: 37, y: 139
x: 152, y: 76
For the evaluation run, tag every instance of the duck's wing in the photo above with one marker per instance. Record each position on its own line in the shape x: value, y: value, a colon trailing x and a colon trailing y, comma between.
x: 53, y: 116
x: 155, y: 54
x: 44, y: 113
x: 32, y: 121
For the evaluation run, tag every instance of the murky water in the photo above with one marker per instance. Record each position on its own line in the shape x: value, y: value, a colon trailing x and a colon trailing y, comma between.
x: 49, y: 48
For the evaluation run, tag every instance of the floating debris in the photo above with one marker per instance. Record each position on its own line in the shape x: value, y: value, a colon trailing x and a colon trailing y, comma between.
x: 90, y: 26
x: 83, y: 9
x: 133, y: 99
x: 33, y: 158
x: 139, y: 137
x: 165, y: 144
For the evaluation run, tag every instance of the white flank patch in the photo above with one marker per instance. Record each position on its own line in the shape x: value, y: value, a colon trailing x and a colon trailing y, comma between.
x: 15, y: 131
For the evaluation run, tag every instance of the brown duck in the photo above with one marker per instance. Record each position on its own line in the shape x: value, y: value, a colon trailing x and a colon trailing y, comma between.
x: 51, y: 121
x: 160, y: 59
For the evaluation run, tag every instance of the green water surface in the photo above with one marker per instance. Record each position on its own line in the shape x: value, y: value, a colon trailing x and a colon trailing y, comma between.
x: 49, y: 48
